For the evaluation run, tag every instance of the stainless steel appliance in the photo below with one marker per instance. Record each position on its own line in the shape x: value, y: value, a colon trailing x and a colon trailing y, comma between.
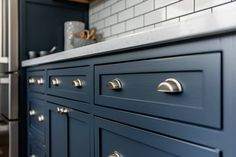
x: 9, y: 66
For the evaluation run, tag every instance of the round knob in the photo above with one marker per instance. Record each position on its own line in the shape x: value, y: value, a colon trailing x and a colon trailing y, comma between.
x: 115, y: 154
x: 32, y: 81
x: 56, y: 82
x: 77, y: 83
x: 114, y: 84
x: 40, y: 81
x: 170, y: 86
x: 32, y: 112
x: 41, y: 118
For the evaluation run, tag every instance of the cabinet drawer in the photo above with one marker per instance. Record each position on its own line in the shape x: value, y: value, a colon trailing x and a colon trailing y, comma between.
x: 114, y: 139
x: 36, y: 81
x: 194, y: 98
x: 72, y: 83
x: 34, y: 148
x: 36, y: 117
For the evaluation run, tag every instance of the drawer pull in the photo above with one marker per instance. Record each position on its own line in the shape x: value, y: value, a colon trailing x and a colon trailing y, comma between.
x: 40, y: 81
x: 170, y: 86
x: 115, y: 154
x: 114, y: 84
x: 33, y: 155
x: 77, y: 83
x: 32, y: 113
x: 41, y: 118
x: 56, y: 82
x: 32, y: 81
x: 62, y: 110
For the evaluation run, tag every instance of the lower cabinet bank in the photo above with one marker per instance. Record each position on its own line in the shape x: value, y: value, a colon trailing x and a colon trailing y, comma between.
x: 174, y: 100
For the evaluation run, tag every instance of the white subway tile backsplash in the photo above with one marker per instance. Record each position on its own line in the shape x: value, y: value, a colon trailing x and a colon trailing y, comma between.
x: 108, y: 3
x: 203, y: 4
x: 120, y: 5
x: 144, y: 7
x: 135, y: 23
x: 111, y: 20
x: 117, y: 29
x: 163, y: 3
x: 196, y: 15
x: 179, y: 9
x: 115, y: 18
x: 126, y: 14
x: 130, y: 3
x: 155, y: 16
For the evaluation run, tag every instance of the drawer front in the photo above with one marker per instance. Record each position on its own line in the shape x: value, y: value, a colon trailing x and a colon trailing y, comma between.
x: 36, y: 117
x: 34, y: 148
x: 72, y: 83
x: 36, y: 81
x: 116, y: 140
x: 186, y: 89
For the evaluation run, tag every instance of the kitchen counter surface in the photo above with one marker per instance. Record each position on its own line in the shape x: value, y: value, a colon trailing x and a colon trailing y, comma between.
x: 210, y: 24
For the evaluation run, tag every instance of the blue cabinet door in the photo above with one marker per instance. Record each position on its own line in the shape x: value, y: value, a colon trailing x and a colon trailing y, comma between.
x: 68, y: 132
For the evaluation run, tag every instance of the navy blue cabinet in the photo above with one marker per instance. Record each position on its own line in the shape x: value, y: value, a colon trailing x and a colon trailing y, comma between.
x: 68, y: 132
x: 168, y: 101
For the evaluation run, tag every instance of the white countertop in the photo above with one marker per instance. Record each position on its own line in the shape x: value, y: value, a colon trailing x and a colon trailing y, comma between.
x: 211, y: 24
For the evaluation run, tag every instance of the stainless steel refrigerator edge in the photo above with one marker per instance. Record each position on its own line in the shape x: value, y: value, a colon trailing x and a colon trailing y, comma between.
x: 9, y: 79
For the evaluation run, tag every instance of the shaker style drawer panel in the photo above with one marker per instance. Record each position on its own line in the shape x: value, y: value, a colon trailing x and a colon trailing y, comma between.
x: 36, y: 116
x: 72, y: 83
x: 117, y: 140
x: 35, y: 148
x: 36, y: 81
x: 186, y: 89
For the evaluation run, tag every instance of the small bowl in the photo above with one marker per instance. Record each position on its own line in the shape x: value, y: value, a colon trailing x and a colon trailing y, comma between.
x: 43, y: 53
x: 32, y: 54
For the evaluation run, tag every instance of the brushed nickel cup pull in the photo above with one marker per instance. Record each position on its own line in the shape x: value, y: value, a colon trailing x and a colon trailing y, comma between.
x: 32, y: 113
x: 56, y: 82
x: 32, y: 81
x: 58, y: 110
x: 40, y: 81
x: 77, y: 83
x: 65, y: 111
x: 33, y: 155
x: 116, y: 154
x: 170, y: 85
x: 114, y: 84
x: 41, y: 118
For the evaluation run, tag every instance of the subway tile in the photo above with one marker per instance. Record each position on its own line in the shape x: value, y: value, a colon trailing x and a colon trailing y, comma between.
x: 167, y: 23
x: 203, y: 4
x: 228, y: 7
x: 163, y: 3
x: 130, y: 3
x: 111, y: 20
x: 144, y: 7
x: 147, y: 28
x: 108, y: 3
x: 179, y: 9
x: 119, y: 6
x: 105, y: 13
x: 106, y: 32
x: 126, y: 14
x: 196, y: 15
x: 155, y: 16
x: 99, y: 25
x: 119, y: 28
x: 135, y: 23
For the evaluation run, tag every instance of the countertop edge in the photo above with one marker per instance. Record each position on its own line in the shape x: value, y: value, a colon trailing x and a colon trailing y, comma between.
x: 211, y: 24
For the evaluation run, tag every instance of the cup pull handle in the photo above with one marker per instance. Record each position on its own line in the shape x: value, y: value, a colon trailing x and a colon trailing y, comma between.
x: 170, y: 85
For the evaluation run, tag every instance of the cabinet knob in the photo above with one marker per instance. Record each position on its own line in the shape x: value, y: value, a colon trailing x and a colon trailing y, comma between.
x: 32, y: 81
x: 116, y: 154
x: 114, y: 84
x: 170, y: 85
x: 40, y: 81
x: 77, y: 83
x: 41, y: 118
x: 32, y: 112
x: 56, y: 82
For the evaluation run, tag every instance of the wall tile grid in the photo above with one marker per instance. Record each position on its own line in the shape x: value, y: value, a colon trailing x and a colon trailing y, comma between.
x: 115, y: 18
